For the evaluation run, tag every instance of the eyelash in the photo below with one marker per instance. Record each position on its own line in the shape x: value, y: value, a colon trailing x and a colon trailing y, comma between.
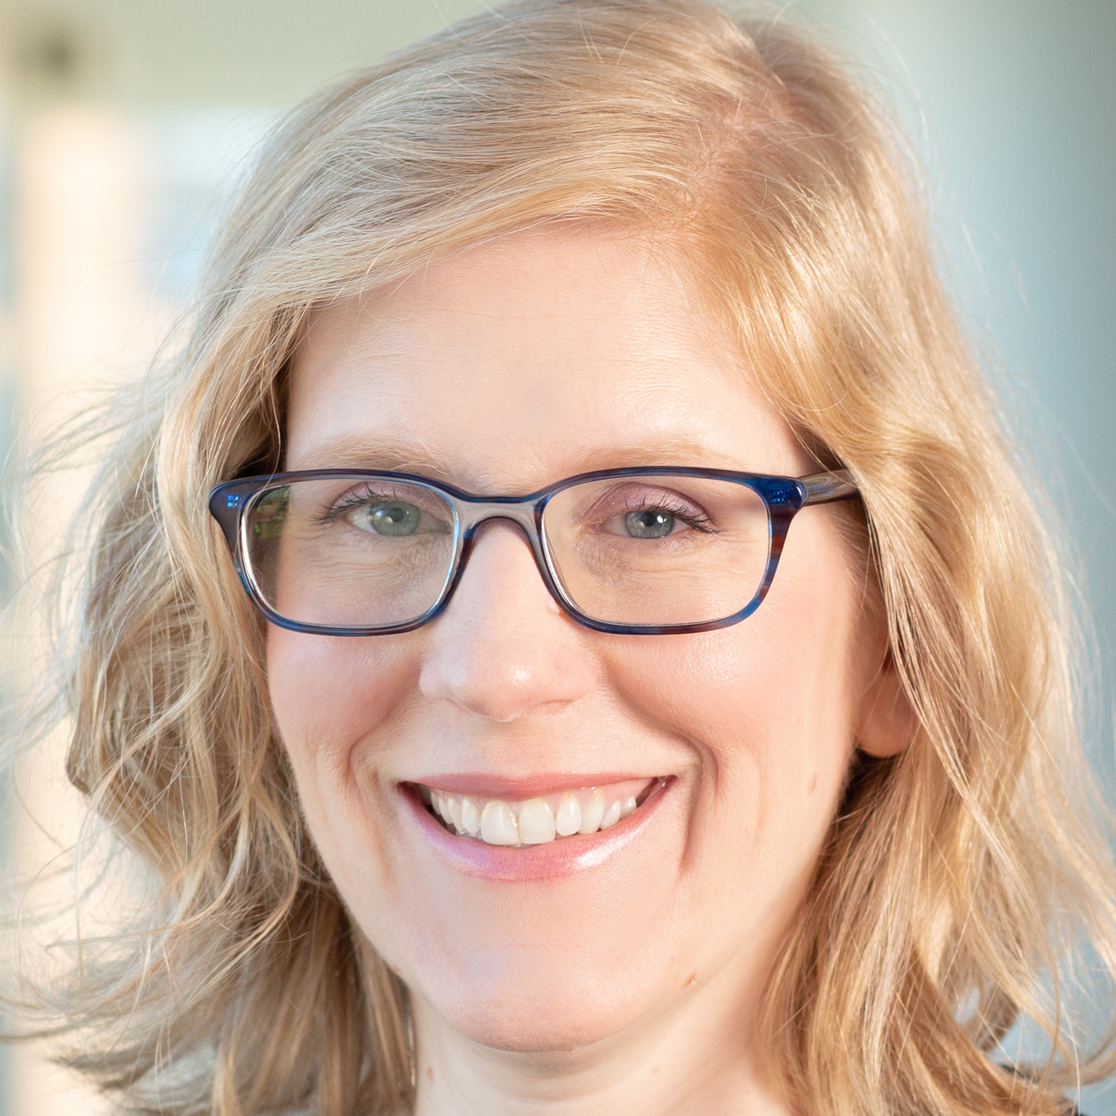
x: 698, y: 521
x: 349, y: 501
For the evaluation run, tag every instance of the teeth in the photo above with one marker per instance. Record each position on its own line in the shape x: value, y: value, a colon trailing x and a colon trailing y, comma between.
x: 612, y: 815
x: 453, y: 808
x: 470, y: 817
x: 538, y: 821
x: 437, y: 800
x: 592, y: 812
x: 498, y: 824
x: 568, y: 819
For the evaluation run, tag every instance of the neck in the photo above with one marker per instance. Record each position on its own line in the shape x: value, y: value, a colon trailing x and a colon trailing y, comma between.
x: 697, y: 1057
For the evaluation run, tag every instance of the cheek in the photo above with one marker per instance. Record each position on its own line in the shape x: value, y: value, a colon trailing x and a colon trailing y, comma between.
x: 335, y: 703
x: 769, y: 706
x: 326, y: 692
x: 330, y: 695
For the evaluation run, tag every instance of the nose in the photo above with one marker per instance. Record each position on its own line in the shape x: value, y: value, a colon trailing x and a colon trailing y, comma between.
x: 503, y: 649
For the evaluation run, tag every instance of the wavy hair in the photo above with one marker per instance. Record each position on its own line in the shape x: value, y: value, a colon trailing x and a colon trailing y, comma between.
x: 957, y: 878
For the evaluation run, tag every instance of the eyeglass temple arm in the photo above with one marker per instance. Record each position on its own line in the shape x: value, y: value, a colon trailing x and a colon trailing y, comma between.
x: 822, y: 488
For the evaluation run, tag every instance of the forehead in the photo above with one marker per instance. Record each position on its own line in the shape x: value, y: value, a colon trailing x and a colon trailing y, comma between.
x: 519, y: 362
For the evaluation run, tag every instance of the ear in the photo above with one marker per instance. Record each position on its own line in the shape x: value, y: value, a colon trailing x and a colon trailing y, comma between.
x: 886, y: 722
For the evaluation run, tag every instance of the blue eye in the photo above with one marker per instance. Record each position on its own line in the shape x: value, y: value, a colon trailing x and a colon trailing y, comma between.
x: 394, y: 518
x: 650, y: 523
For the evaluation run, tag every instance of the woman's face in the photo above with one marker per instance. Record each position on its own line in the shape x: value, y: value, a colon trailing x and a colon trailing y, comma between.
x: 501, y: 371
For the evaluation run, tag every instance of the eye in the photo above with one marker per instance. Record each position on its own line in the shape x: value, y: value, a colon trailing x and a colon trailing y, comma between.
x: 395, y: 511
x: 646, y: 512
x: 387, y: 517
x: 649, y: 523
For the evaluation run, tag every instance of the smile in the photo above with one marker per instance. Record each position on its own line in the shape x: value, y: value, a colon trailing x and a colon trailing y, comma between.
x: 538, y: 820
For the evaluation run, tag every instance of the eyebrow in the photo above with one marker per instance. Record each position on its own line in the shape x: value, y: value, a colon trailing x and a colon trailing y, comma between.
x: 421, y: 459
x: 391, y: 456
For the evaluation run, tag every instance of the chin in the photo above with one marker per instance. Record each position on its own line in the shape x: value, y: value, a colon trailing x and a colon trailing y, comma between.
x: 534, y: 1028
x: 529, y: 1011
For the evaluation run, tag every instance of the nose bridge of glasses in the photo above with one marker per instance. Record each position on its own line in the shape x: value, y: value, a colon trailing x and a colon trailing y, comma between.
x: 476, y: 513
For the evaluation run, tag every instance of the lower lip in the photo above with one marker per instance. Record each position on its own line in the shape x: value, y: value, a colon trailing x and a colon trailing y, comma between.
x: 564, y: 856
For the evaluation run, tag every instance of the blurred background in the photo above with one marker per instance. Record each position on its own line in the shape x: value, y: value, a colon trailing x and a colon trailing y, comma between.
x: 125, y: 125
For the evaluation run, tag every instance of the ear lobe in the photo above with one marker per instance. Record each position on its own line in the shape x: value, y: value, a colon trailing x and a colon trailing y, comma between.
x: 886, y: 723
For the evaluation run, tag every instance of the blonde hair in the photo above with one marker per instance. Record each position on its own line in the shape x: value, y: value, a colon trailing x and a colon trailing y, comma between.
x: 957, y: 877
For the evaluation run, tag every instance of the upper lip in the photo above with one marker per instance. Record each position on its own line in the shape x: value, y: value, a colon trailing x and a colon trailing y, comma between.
x: 506, y: 787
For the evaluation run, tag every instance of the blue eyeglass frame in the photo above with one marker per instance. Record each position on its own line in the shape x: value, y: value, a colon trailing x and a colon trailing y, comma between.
x: 784, y: 498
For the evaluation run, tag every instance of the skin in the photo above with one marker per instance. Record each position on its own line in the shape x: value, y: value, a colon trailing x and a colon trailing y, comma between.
x: 634, y: 984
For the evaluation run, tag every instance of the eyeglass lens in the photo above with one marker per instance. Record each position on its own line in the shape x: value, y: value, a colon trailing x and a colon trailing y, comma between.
x: 376, y: 552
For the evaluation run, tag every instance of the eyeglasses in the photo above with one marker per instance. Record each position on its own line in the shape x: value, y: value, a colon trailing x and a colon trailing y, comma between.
x: 644, y: 550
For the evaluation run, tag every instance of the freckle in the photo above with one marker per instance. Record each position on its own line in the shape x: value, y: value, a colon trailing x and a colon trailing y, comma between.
x: 813, y: 784
x: 655, y: 1069
x: 429, y: 1073
x: 690, y: 979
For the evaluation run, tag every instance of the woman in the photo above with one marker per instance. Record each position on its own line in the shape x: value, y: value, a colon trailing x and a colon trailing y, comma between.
x: 533, y: 363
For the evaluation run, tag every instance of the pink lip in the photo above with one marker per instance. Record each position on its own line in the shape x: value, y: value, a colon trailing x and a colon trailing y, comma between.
x: 494, y: 786
x: 562, y: 857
